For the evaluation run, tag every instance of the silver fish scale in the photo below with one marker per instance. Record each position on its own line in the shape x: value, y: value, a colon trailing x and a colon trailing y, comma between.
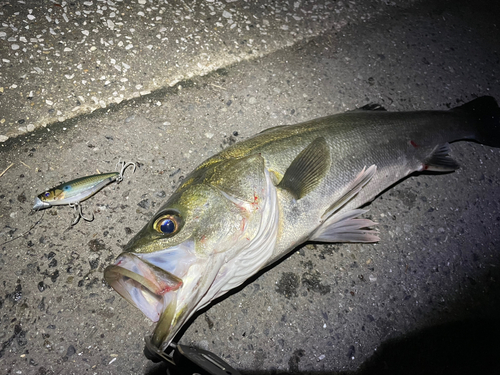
x: 397, y: 143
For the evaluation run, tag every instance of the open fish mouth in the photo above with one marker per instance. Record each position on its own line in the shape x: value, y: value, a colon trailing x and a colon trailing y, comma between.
x: 156, y: 283
x: 148, y: 287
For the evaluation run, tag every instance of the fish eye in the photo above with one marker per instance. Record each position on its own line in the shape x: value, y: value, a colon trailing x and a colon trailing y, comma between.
x: 46, y: 194
x: 168, y: 224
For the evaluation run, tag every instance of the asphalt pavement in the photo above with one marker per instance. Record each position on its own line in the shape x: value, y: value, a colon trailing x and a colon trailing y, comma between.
x: 61, y: 60
x: 423, y: 300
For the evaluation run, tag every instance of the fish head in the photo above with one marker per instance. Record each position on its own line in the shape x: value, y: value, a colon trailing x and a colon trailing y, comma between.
x: 198, y: 245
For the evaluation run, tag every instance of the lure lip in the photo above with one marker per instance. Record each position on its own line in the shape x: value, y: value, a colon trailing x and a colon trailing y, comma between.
x: 40, y: 205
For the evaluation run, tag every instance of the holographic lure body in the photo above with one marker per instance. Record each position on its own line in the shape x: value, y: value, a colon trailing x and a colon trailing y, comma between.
x: 74, y: 192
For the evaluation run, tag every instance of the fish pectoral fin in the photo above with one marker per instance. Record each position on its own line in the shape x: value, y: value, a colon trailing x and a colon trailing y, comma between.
x: 439, y: 160
x: 346, y: 227
x: 354, y: 187
x: 307, y: 169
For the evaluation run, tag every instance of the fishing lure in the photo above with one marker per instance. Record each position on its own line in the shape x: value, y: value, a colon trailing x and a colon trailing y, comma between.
x: 74, y: 192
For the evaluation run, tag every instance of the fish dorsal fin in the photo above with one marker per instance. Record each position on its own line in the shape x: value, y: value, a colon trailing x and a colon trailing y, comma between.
x: 307, y: 169
x: 440, y: 161
x: 273, y: 128
x: 371, y: 107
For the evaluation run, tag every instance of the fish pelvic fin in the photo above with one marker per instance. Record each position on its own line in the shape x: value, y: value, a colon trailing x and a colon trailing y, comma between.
x: 307, y: 169
x: 352, y: 189
x: 486, y: 113
x: 439, y: 160
x: 346, y: 227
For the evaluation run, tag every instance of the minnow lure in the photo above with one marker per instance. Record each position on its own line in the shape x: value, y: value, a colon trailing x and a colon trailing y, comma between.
x: 74, y: 192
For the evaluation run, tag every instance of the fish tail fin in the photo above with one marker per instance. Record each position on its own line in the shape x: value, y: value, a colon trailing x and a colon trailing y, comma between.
x: 485, y: 111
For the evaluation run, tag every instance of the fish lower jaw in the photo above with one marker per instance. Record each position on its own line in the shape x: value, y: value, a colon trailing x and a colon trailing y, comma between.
x: 151, y: 305
x: 143, y: 285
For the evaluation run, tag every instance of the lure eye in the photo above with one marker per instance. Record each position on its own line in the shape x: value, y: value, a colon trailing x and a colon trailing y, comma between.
x: 48, y: 195
x: 167, y: 224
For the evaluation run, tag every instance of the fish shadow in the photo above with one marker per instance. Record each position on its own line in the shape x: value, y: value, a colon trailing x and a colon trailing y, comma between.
x: 462, y: 347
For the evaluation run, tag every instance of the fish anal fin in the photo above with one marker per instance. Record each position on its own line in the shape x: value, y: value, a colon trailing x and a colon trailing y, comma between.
x: 352, y: 189
x: 346, y: 227
x: 439, y: 160
x: 307, y: 169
